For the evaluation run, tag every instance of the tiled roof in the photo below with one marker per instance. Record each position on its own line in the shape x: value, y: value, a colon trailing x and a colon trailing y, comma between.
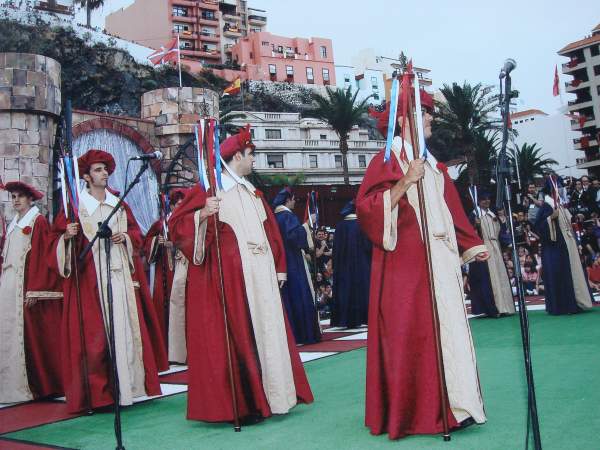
x: 582, y: 43
x: 527, y: 112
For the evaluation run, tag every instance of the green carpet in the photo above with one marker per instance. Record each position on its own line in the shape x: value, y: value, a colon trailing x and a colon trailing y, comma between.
x: 566, y: 366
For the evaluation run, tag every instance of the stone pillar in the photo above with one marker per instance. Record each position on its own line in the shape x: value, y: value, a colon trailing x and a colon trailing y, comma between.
x: 175, y: 111
x: 30, y: 104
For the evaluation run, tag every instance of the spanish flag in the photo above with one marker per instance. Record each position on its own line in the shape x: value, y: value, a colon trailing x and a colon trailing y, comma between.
x: 234, y: 88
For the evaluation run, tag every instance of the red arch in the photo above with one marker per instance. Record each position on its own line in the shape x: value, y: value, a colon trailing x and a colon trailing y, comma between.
x: 116, y: 127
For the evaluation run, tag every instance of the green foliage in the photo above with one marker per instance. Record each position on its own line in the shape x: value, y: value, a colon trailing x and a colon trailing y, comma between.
x: 342, y: 112
x: 97, y: 77
x: 277, y: 179
x: 486, y: 144
x: 531, y: 162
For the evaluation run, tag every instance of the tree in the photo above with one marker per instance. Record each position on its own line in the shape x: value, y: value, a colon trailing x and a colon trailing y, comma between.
x: 462, y: 119
x: 227, y: 107
x: 486, y: 144
x: 530, y: 161
x: 342, y: 112
x: 89, y: 6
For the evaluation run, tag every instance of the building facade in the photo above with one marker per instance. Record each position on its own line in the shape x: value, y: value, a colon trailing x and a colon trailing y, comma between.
x: 369, y: 83
x: 266, y: 57
x: 287, y: 144
x: 207, y: 29
x: 553, y: 133
x: 584, y: 67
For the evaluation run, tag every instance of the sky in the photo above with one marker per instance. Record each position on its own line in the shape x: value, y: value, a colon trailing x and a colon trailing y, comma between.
x: 461, y: 40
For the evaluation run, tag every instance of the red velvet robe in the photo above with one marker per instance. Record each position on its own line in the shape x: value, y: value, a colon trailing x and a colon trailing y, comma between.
x: 163, y: 275
x: 209, y: 395
x: 96, y: 342
x: 402, y: 388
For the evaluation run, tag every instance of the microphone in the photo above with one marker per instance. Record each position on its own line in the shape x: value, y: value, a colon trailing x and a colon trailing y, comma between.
x: 509, y: 65
x: 148, y: 156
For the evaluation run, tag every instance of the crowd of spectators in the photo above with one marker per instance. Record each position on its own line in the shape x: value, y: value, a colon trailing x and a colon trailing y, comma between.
x: 324, y: 272
x: 582, y: 198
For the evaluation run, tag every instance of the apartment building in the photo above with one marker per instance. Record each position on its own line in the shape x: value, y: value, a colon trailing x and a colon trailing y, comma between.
x: 369, y: 83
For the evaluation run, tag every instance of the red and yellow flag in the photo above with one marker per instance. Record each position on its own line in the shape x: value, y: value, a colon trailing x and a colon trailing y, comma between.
x: 234, y: 88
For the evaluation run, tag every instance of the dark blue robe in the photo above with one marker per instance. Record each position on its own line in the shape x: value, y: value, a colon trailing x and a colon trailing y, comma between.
x: 296, y: 292
x: 556, y: 268
x: 481, y: 293
x: 351, y: 275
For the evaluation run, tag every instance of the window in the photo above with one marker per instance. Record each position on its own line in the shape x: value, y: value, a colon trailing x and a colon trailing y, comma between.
x: 185, y: 44
x: 279, y: 49
x: 595, y: 50
x: 208, y: 15
x: 326, y: 76
x: 289, y: 50
x: 362, y: 161
x: 180, y: 28
x: 310, y: 77
x: 323, y: 51
x: 273, y: 134
x: 289, y: 70
x: 314, y: 163
x: 272, y: 69
x: 252, y: 133
x: 265, y: 43
x: 532, y: 119
x: 346, y: 78
x: 598, y: 89
x: 179, y: 11
x: 275, y: 161
x: 374, y: 84
x: 597, y: 70
x: 323, y: 136
x: 338, y: 161
x: 375, y: 96
x: 256, y: 30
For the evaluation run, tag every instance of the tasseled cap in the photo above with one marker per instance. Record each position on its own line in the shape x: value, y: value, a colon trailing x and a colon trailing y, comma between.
x: 95, y: 156
x: 19, y: 186
x: 350, y: 208
x: 384, y: 116
x: 282, y: 197
x: 237, y: 143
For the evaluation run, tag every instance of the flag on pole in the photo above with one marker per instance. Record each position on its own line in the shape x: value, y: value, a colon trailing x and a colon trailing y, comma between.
x: 166, y: 53
x: 556, y: 88
x: 234, y: 88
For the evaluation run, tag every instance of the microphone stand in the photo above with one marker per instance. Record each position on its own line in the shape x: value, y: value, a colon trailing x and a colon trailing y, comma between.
x: 503, y: 196
x: 104, y: 232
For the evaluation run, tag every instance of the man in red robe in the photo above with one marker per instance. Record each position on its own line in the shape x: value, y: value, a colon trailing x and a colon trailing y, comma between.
x: 30, y: 304
x: 268, y: 375
x: 403, y: 387
x: 160, y: 254
x: 139, y: 347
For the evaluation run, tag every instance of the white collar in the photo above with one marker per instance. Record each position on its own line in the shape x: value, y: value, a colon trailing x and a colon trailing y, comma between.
x: 231, y: 179
x: 550, y: 201
x: 488, y: 213
x: 25, y: 221
x: 397, y: 147
x: 91, y: 204
x: 281, y: 208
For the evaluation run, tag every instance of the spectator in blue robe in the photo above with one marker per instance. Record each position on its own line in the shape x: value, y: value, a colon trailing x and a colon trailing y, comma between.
x: 297, y: 292
x: 352, y: 272
x: 566, y: 286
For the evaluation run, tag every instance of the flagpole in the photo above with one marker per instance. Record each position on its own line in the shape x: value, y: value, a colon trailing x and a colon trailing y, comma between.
x: 179, y: 61
x: 242, y: 93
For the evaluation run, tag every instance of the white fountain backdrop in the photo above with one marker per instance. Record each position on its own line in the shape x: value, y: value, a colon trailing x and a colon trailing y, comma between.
x: 143, y: 198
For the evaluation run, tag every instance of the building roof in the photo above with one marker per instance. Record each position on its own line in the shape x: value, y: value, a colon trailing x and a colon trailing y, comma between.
x: 582, y: 43
x: 527, y: 112
x: 596, y: 29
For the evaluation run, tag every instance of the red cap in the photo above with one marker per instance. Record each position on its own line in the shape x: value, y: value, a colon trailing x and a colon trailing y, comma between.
x: 18, y: 186
x: 95, y: 156
x: 384, y: 116
x: 177, y: 194
x: 237, y: 143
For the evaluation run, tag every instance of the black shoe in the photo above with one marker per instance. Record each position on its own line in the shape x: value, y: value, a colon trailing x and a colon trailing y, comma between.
x: 465, y: 424
x: 252, y: 419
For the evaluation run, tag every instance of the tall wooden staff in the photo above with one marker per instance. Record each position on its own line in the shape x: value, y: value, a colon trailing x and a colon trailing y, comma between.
x: 417, y: 138
x: 314, y: 226
x: 70, y: 201
x: 208, y: 135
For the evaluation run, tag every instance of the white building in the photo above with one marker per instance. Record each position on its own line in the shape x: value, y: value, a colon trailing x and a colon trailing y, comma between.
x: 288, y: 144
x: 553, y: 133
x: 369, y: 82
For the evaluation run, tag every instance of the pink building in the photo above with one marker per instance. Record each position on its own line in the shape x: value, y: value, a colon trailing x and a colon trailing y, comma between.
x: 265, y: 57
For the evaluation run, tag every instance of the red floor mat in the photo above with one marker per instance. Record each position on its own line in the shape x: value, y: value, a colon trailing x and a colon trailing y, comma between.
x: 7, y: 444
x: 334, y: 346
x: 32, y: 414
x: 175, y: 378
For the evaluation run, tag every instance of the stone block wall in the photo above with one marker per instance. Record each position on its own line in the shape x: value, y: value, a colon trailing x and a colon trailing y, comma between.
x: 30, y: 103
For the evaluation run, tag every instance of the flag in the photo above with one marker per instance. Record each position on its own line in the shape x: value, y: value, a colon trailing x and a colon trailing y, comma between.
x: 555, y: 88
x: 166, y: 53
x: 234, y: 88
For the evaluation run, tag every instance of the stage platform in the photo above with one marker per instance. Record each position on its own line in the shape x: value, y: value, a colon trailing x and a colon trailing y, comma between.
x: 566, y: 361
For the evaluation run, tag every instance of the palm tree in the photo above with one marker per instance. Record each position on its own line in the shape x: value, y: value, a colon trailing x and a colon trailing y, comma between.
x: 486, y: 146
x: 90, y: 5
x: 341, y: 111
x: 465, y: 117
x: 227, y: 106
x: 530, y: 161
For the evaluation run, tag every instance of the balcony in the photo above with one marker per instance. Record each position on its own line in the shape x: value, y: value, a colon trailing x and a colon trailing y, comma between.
x: 232, y: 17
x: 185, y: 34
x: 228, y: 48
x: 209, y: 37
x: 574, y: 64
x: 183, y: 19
x: 257, y: 20
x: 187, y: 3
x: 205, y: 20
x: 213, y: 5
x: 576, y: 84
x: 53, y: 7
x: 202, y: 54
x: 584, y: 143
x: 578, y: 105
x: 576, y: 125
x: 232, y: 31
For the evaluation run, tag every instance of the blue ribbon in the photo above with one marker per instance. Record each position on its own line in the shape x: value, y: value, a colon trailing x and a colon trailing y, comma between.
x: 392, y: 119
x: 218, y: 156
x: 70, y: 182
x: 201, y: 170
